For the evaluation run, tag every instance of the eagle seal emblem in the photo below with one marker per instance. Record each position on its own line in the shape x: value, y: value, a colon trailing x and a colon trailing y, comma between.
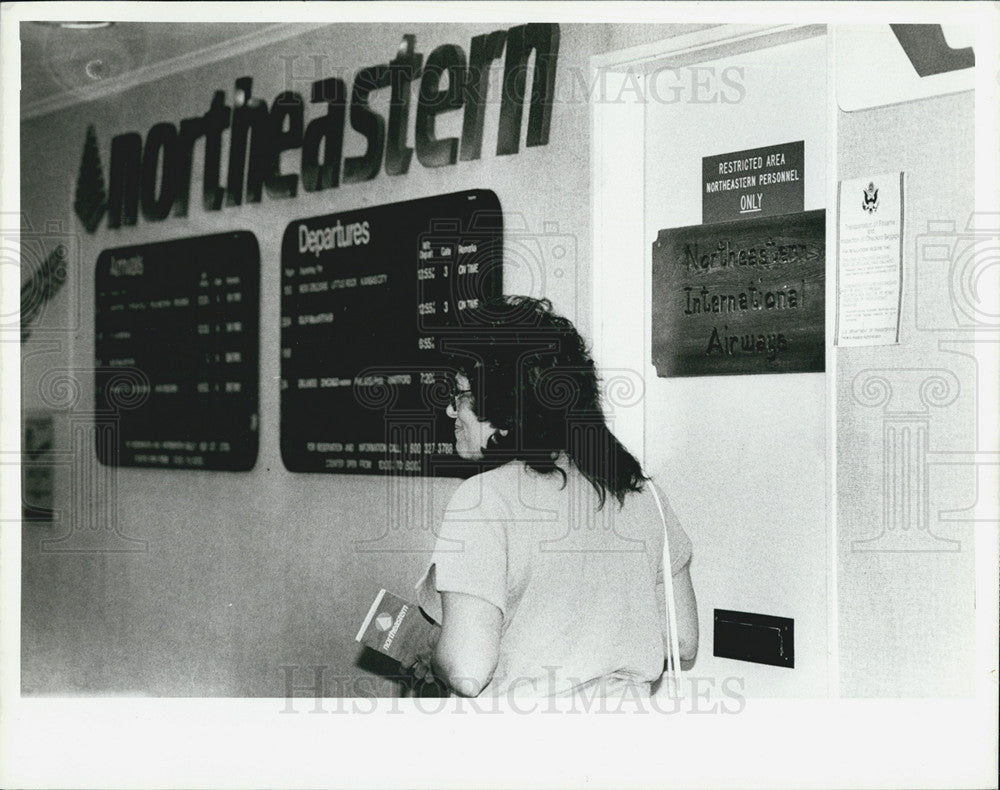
x: 870, y: 201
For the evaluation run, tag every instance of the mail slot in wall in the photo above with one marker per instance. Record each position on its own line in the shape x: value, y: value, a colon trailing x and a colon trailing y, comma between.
x: 760, y: 638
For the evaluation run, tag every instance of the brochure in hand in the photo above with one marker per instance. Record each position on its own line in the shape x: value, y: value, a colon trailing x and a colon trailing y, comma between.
x: 397, y: 628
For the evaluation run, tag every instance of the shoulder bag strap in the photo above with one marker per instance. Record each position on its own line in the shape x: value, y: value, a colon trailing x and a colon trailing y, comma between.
x: 673, y: 655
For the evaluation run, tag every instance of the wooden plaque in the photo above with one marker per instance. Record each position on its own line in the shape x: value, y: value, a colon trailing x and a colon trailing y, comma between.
x: 740, y: 297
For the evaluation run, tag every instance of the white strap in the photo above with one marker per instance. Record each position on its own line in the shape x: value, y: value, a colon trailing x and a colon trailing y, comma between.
x: 674, y: 654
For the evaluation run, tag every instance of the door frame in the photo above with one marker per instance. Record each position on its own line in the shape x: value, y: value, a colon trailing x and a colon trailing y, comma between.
x: 618, y: 188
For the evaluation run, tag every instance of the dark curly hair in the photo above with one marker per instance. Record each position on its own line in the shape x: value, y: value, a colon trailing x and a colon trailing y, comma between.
x: 532, y: 375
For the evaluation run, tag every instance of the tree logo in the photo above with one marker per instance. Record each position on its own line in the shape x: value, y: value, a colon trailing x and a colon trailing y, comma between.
x: 91, y: 198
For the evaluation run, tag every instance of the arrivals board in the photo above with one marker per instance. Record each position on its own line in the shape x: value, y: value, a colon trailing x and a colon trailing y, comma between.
x: 176, y: 345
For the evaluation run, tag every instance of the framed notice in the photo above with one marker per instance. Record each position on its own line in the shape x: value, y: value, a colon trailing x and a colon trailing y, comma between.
x: 740, y: 297
x: 370, y: 299
x: 869, y: 260
x: 177, y: 345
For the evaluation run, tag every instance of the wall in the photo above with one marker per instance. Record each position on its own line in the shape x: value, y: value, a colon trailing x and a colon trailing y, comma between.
x: 246, y: 572
x: 634, y: 34
x: 743, y: 457
x: 906, y: 582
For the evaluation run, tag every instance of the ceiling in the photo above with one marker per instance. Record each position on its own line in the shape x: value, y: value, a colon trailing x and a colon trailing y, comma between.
x: 60, y: 66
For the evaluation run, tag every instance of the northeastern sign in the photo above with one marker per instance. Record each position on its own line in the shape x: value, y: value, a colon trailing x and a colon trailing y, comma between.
x: 761, y: 182
x: 740, y: 297
x: 155, y: 176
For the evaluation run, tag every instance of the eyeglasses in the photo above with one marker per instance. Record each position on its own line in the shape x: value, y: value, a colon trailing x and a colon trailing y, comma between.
x: 455, y: 395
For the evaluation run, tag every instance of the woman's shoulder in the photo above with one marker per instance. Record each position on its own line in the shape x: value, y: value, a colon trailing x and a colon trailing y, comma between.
x: 491, y: 483
x: 501, y: 474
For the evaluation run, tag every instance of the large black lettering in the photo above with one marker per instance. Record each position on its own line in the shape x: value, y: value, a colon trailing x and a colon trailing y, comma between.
x: 368, y: 123
x: 287, y: 105
x: 250, y: 119
x: 123, y: 189
x: 402, y: 71
x: 928, y: 50
x: 159, y: 158
x: 155, y: 176
x: 191, y: 129
x: 484, y: 50
x: 543, y: 40
x: 431, y: 151
x: 216, y: 122
x: 328, y: 129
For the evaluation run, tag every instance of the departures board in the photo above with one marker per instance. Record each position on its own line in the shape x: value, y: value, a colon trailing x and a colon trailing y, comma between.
x: 176, y: 345
x: 371, y: 298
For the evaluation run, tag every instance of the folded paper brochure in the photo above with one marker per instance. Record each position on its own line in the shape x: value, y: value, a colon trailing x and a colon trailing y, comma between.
x: 396, y: 627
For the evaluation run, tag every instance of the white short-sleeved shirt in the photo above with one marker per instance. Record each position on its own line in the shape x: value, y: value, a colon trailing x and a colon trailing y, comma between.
x: 580, y: 588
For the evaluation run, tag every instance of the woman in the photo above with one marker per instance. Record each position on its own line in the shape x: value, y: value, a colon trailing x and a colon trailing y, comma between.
x: 547, y: 572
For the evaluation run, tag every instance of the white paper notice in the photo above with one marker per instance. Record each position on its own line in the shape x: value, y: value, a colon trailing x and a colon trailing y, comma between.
x: 869, y: 260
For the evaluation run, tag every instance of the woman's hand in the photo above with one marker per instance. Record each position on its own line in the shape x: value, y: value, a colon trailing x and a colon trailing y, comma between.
x: 422, y: 669
x: 419, y: 660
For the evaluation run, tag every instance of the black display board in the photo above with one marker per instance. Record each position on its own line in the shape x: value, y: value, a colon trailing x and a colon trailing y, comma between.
x: 177, y: 348
x: 370, y: 299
